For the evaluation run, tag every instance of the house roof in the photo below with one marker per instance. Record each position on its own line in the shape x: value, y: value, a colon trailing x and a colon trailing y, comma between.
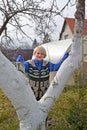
x: 71, y: 22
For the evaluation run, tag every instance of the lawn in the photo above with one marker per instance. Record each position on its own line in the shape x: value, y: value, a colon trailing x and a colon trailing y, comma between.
x: 68, y: 113
x: 8, y: 116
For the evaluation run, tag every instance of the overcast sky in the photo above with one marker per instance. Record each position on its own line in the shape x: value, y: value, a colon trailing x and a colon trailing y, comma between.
x: 68, y: 12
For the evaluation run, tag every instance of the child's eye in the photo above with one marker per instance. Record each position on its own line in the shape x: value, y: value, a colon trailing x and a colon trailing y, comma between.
x: 42, y: 54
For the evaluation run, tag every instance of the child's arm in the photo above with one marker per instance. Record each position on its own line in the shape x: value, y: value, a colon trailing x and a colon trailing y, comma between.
x: 26, y: 66
x: 55, y: 67
x: 21, y: 64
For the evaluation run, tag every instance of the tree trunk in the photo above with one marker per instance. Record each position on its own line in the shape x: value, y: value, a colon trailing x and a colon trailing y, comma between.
x: 32, y: 113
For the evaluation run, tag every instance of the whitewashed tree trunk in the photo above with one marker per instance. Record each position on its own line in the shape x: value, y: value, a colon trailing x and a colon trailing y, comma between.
x: 32, y: 113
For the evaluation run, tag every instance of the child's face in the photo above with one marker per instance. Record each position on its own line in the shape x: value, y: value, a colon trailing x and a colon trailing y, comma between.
x: 39, y: 55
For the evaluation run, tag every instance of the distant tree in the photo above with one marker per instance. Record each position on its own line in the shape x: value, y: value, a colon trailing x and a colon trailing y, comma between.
x: 35, y: 43
x: 44, y: 28
x: 16, y: 15
x: 47, y: 38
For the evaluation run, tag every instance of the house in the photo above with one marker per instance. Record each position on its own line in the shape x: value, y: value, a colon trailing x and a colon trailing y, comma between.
x: 68, y: 29
x: 67, y: 32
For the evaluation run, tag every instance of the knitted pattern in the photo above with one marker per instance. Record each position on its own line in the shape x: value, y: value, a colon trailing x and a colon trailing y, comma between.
x: 39, y: 79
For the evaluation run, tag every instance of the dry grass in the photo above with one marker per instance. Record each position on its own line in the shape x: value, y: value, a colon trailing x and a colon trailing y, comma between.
x: 8, y: 116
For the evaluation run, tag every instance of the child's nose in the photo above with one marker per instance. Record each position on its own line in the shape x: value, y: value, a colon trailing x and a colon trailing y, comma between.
x: 39, y: 54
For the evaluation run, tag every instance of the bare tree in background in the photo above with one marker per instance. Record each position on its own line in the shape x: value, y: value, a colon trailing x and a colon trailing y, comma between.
x: 35, y: 43
x: 16, y: 15
x: 44, y: 28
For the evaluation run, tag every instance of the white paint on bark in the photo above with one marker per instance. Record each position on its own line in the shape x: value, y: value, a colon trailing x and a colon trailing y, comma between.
x: 31, y: 113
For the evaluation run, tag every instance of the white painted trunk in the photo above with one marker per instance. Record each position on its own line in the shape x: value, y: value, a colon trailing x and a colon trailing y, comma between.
x: 15, y: 85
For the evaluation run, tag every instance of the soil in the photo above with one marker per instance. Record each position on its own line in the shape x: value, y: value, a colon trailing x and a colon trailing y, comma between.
x: 51, y: 123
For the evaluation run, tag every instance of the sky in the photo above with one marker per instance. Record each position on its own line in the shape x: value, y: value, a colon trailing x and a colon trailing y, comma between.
x: 68, y: 12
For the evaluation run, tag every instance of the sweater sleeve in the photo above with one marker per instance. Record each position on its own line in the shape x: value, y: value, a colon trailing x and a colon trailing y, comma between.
x: 55, y: 67
x: 26, y: 66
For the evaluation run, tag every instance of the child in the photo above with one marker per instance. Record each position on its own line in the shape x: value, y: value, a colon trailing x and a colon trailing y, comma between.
x: 39, y: 70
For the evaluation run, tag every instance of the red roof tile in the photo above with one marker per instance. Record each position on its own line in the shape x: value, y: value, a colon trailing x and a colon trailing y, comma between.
x: 85, y: 27
x: 71, y: 23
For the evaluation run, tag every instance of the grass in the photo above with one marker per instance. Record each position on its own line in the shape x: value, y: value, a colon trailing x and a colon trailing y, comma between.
x: 8, y: 116
x: 69, y: 111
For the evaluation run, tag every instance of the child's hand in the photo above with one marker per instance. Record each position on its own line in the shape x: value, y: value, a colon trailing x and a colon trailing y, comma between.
x: 66, y: 55
x: 20, y: 59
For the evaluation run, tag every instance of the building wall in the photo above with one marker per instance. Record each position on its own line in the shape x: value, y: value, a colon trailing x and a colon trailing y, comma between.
x: 66, y: 34
x: 84, y: 42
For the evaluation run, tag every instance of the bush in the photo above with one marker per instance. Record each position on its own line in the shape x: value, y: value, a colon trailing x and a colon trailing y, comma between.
x: 70, y: 110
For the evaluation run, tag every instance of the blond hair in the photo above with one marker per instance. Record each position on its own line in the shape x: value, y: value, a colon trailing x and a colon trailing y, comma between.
x: 40, y: 48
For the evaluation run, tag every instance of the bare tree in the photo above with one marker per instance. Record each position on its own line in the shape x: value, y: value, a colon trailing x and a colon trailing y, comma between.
x: 31, y: 113
x: 45, y: 27
x: 15, y: 13
x: 19, y: 14
x: 35, y: 43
